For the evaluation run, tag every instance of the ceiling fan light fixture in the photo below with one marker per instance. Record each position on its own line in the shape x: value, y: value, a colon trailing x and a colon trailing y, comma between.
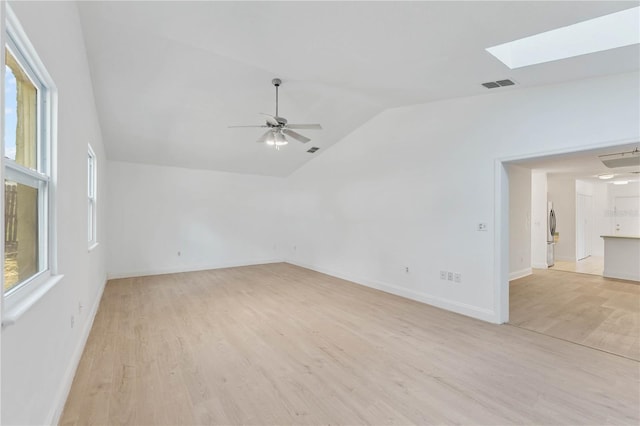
x: 278, y: 127
x: 279, y: 139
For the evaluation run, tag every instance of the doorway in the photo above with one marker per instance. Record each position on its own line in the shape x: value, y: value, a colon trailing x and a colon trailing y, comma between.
x: 584, y: 309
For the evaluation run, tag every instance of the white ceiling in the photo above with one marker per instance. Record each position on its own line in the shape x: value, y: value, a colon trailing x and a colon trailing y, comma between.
x: 584, y: 165
x: 169, y: 77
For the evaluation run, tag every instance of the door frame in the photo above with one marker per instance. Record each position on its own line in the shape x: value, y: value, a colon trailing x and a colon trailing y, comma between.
x: 501, y: 219
x: 582, y: 213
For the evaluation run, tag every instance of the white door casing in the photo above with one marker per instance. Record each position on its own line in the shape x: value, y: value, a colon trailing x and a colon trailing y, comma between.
x: 583, y: 226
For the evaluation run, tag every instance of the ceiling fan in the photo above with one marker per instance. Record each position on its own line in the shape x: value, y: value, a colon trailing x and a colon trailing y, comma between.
x: 279, y: 126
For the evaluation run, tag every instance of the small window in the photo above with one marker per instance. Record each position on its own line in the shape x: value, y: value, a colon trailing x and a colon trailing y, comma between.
x: 27, y: 172
x: 92, y: 197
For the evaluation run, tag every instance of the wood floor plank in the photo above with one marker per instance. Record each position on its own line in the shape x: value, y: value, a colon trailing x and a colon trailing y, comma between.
x: 278, y: 344
x: 586, y: 309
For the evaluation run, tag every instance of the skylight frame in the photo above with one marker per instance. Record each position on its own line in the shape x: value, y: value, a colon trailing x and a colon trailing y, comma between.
x: 606, y: 32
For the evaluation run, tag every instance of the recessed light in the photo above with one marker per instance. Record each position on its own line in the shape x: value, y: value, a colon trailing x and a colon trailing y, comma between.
x: 605, y: 177
x: 620, y: 182
x: 595, y: 35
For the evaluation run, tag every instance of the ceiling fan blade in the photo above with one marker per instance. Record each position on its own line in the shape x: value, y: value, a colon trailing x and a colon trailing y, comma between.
x: 297, y: 136
x: 271, y: 119
x: 231, y: 127
x: 304, y: 126
x: 267, y: 135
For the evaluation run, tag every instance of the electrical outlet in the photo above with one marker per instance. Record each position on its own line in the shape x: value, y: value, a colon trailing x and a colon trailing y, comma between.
x: 406, y: 269
x: 73, y: 321
x: 457, y: 277
x: 449, y: 276
x: 482, y: 226
x: 179, y: 253
x: 443, y: 275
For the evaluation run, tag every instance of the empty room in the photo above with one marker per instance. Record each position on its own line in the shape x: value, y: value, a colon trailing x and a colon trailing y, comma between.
x: 306, y: 213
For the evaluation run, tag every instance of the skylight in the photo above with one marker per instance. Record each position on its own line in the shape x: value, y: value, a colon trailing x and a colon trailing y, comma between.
x: 595, y: 35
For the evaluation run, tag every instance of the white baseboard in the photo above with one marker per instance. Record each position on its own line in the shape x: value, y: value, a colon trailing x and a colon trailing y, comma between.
x: 193, y: 268
x: 449, y: 305
x: 565, y: 259
x: 74, y: 362
x: 520, y: 274
x: 620, y: 276
x: 539, y: 266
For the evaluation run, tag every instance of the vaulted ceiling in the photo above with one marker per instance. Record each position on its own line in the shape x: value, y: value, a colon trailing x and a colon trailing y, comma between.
x: 169, y: 77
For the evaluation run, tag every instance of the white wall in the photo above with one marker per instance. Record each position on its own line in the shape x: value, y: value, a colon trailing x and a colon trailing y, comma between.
x: 539, y: 219
x: 561, y: 191
x: 601, y: 217
x: 409, y: 187
x: 519, y: 221
x: 406, y: 189
x: 41, y: 350
x: 214, y: 219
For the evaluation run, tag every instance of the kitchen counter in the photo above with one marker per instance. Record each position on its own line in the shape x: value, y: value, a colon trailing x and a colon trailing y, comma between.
x: 622, y: 257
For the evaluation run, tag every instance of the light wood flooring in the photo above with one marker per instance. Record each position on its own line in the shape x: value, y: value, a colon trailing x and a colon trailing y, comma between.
x: 594, y: 311
x: 593, y: 265
x: 278, y: 344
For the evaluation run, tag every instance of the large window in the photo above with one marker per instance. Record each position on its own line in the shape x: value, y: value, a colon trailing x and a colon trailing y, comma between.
x: 92, y: 195
x: 27, y: 171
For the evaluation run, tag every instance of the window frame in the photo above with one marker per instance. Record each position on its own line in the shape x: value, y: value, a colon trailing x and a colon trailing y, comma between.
x: 21, y: 297
x: 92, y: 195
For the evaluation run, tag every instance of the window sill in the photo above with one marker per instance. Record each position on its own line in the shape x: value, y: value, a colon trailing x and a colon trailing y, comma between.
x: 13, y: 313
x: 93, y: 246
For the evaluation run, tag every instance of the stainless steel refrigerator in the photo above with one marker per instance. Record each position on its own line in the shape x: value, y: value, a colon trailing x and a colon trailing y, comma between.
x: 551, y: 230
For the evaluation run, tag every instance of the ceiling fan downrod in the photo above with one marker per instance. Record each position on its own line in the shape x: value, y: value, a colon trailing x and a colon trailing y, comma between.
x: 276, y: 82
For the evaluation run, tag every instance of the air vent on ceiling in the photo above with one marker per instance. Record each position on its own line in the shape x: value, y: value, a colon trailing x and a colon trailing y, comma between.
x: 505, y: 82
x: 499, y: 83
x: 313, y: 149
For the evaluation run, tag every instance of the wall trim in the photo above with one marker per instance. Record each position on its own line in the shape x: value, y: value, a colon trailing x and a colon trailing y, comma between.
x: 69, y: 375
x: 195, y: 268
x: 447, y: 304
x: 619, y: 276
x: 520, y: 274
x: 539, y: 266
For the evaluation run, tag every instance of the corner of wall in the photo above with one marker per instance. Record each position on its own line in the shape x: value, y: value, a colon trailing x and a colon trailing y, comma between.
x: 437, y: 302
x: 65, y: 387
